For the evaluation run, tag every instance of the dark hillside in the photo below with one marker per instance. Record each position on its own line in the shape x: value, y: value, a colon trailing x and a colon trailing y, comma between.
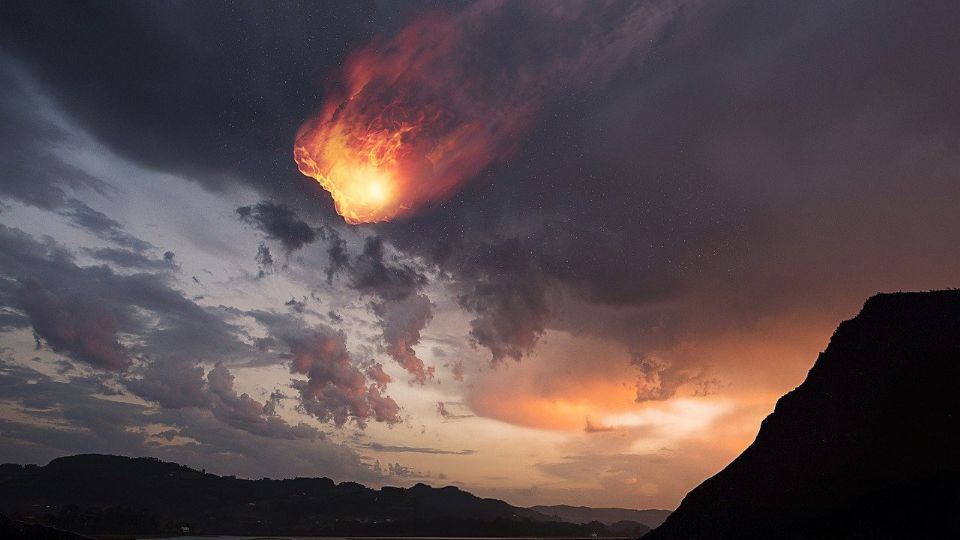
x: 867, y: 447
x: 98, y: 494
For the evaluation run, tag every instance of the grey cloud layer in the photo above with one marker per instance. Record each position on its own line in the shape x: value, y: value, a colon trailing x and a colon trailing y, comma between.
x: 279, y: 223
x: 98, y: 425
x: 172, y: 334
x: 395, y: 286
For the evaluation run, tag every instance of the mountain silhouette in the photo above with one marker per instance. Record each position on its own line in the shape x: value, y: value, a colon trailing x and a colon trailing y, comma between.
x: 867, y: 447
x: 17, y: 530
x: 607, y: 516
x: 101, y: 494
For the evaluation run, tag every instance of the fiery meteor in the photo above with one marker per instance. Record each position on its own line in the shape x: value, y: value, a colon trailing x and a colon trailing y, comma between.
x: 423, y: 112
x: 398, y: 141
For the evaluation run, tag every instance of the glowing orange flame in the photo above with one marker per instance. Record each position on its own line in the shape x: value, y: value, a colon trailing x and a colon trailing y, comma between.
x: 392, y: 145
x: 425, y: 111
x: 361, y: 171
x: 395, y: 143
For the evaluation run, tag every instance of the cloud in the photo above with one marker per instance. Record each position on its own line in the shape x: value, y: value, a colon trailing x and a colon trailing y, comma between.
x: 596, y: 428
x: 79, y: 325
x: 456, y: 368
x: 138, y: 320
x: 337, y: 255
x: 402, y: 311
x: 168, y: 333
x: 12, y: 319
x: 402, y: 321
x: 511, y: 308
x: 373, y: 274
x: 396, y: 470
x: 125, y: 258
x: 184, y: 134
x: 32, y: 172
x: 243, y: 412
x: 178, y: 385
x: 416, y: 450
x: 446, y: 411
x: 102, y: 226
x: 264, y: 261
x: 278, y: 222
x: 651, y: 205
x: 509, y: 263
x: 43, y: 278
x: 374, y: 371
x: 192, y: 436
x: 652, y: 212
x: 336, y: 390
x: 401, y: 471
x: 172, y: 385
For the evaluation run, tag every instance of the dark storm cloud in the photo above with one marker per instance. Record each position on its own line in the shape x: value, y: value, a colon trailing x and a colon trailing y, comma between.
x: 12, y: 319
x: 31, y: 171
x: 755, y: 161
x: 137, y: 83
x: 296, y: 305
x: 264, y: 261
x: 101, y: 225
x: 35, y: 174
x: 126, y: 258
x: 280, y: 223
x: 337, y: 256
x: 374, y: 274
x: 508, y: 293
x: 761, y: 158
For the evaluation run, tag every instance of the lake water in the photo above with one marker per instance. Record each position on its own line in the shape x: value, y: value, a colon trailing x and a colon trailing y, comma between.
x: 365, y: 538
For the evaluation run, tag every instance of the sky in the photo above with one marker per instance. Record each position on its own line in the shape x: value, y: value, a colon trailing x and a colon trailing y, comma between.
x: 591, y: 245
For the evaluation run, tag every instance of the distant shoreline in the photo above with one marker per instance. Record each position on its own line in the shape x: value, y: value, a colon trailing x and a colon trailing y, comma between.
x: 230, y: 537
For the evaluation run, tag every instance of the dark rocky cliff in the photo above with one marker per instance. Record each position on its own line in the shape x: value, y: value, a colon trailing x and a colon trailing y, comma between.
x: 867, y: 447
